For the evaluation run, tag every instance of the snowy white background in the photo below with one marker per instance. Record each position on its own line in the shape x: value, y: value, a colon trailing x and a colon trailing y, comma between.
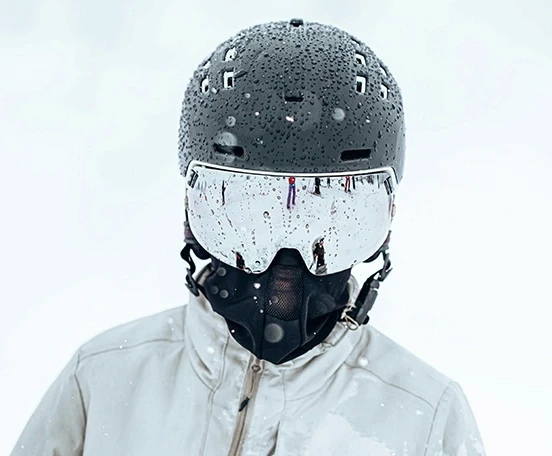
x: 91, y: 196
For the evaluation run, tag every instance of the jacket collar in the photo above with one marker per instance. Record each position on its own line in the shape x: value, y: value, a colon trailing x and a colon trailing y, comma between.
x: 213, y: 348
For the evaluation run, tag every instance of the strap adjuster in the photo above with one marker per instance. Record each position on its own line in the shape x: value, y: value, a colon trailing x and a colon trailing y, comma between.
x: 191, y: 283
x: 356, y: 314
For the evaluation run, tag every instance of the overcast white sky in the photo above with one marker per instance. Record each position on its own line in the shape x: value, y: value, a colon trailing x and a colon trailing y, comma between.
x: 92, y: 199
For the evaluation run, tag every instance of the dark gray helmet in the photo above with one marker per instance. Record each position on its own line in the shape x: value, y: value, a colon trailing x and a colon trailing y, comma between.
x: 293, y: 97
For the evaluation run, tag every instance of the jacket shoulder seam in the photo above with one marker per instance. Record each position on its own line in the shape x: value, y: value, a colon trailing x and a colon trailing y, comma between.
x: 393, y: 385
x: 79, y: 388
x: 435, y: 416
x: 128, y: 347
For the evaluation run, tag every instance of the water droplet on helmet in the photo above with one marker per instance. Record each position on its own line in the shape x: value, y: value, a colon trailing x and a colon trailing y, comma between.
x: 227, y: 139
x: 338, y: 114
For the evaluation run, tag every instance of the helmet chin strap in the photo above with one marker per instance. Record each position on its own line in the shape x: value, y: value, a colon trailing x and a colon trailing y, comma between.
x: 354, y: 315
x: 201, y: 253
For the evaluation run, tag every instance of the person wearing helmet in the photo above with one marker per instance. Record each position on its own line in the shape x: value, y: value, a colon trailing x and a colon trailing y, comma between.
x: 291, y: 191
x: 317, y: 186
x: 268, y: 358
x: 348, y: 184
x: 318, y: 253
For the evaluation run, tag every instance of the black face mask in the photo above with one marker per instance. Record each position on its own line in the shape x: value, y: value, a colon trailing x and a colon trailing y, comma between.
x: 281, y: 313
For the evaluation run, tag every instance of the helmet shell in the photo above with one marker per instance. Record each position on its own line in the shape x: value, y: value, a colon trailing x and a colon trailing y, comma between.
x: 293, y: 97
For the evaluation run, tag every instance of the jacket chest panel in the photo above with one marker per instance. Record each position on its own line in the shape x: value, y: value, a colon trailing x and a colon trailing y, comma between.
x: 362, y: 417
x: 152, y: 411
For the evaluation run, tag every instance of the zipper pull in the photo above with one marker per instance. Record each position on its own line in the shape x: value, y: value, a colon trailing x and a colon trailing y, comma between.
x: 243, y: 404
x: 256, y: 367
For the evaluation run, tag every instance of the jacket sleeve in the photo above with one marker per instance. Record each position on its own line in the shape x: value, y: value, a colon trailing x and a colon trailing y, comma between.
x: 454, y: 431
x: 56, y: 428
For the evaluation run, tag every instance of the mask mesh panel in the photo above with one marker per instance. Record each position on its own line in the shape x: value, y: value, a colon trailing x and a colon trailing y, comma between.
x: 285, y: 293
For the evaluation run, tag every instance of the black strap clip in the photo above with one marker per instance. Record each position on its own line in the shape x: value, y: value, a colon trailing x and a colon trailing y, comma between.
x: 357, y: 314
x: 191, y: 283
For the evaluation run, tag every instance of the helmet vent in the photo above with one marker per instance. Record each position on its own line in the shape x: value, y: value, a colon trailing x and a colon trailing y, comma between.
x: 382, y: 70
x: 296, y: 22
x: 356, y: 154
x: 360, y: 59
x: 228, y: 79
x: 361, y: 84
x: 230, y: 54
x: 235, y: 151
x: 205, y: 85
x: 294, y: 97
x: 384, y: 91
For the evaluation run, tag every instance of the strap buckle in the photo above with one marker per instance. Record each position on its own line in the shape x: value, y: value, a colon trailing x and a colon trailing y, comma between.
x: 191, y: 283
x: 356, y: 315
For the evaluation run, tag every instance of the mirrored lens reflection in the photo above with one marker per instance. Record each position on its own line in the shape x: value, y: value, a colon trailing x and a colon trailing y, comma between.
x: 244, y: 219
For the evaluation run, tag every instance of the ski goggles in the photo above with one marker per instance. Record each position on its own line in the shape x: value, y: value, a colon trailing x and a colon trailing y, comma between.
x: 334, y: 220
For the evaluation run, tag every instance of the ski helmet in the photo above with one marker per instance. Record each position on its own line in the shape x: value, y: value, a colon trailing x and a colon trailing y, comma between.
x: 293, y: 97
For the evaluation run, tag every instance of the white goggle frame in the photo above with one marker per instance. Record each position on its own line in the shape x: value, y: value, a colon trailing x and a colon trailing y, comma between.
x: 334, y: 220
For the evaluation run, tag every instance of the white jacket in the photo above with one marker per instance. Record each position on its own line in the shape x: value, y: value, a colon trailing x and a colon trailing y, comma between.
x: 173, y: 384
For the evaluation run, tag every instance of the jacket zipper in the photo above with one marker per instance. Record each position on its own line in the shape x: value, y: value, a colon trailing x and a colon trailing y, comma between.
x: 251, y: 385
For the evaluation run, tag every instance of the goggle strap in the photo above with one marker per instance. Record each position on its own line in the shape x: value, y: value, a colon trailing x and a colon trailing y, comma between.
x: 357, y: 314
